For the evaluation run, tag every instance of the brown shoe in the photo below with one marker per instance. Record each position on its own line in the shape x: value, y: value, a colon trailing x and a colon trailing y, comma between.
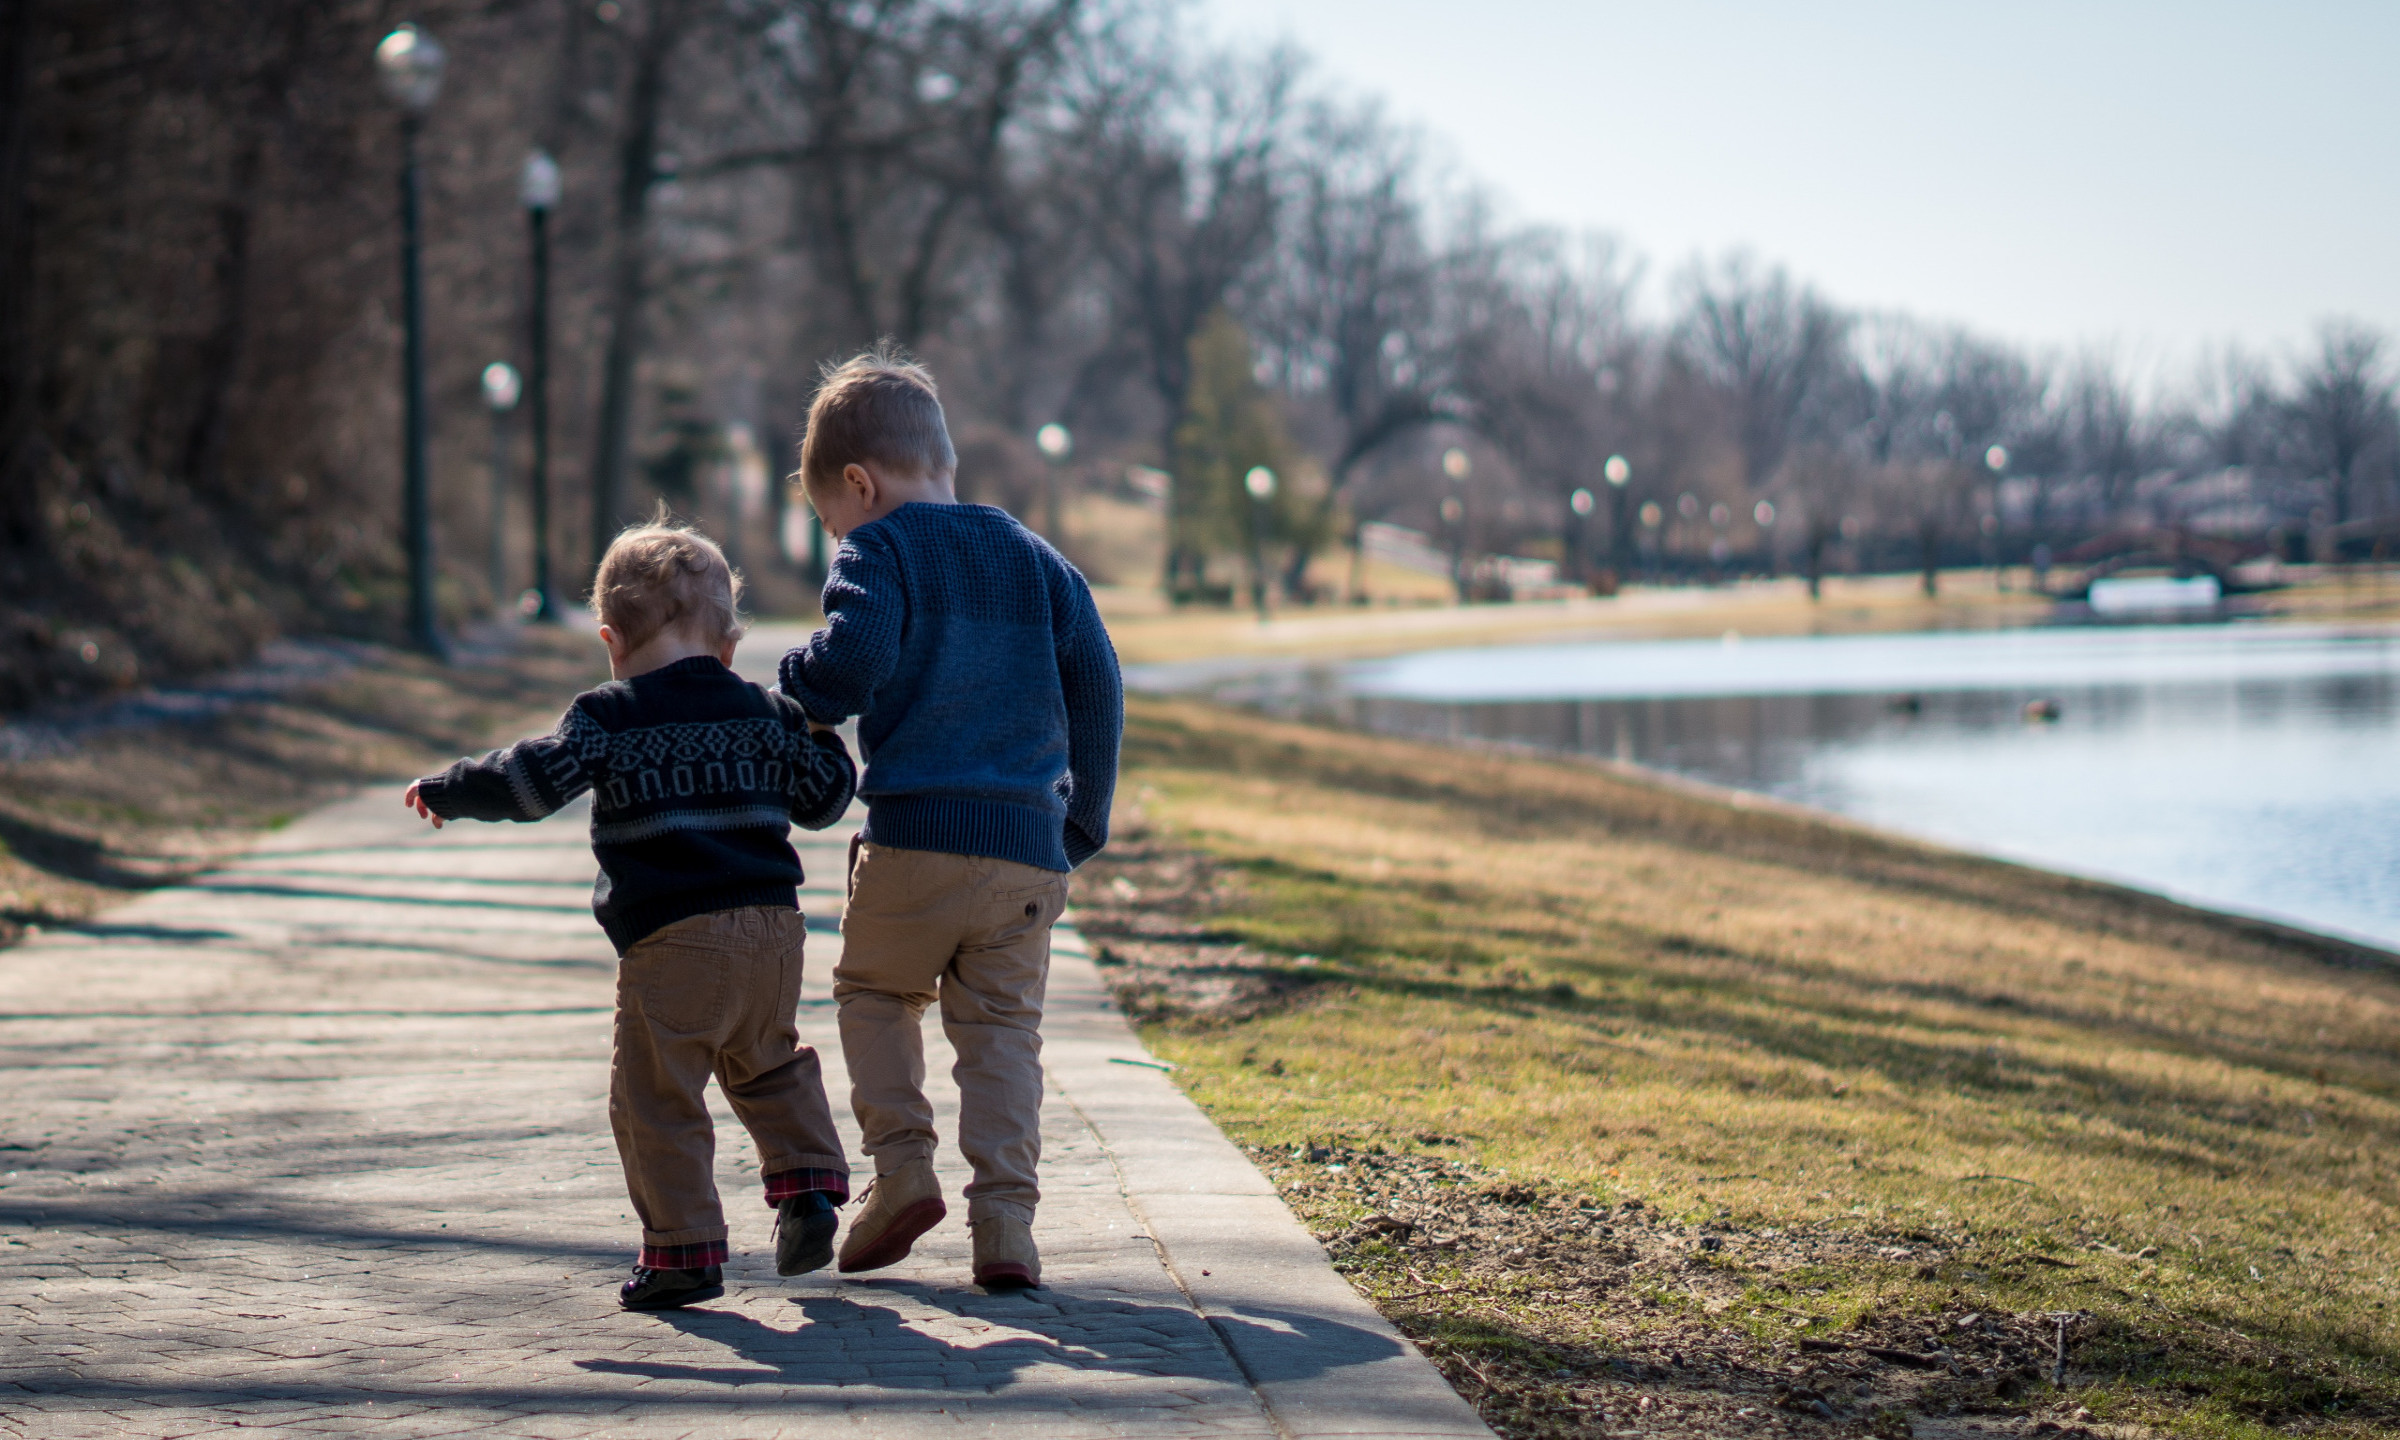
x: 1005, y: 1257
x: 897, y: 1209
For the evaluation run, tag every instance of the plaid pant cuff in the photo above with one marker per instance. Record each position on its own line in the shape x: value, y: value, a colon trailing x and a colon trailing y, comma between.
x: 696, y: 1256
x: 784, y: 1184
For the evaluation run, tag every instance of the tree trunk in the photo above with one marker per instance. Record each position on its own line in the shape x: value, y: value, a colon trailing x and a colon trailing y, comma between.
x: 223, y: 356
x: 19, y: 509
x: 629, y: 278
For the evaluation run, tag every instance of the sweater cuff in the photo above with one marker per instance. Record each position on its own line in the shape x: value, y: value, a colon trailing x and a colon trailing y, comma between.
x: 434, y: 790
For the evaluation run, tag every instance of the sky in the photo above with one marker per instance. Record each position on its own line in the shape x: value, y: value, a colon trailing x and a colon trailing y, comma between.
x: 2152, y: 180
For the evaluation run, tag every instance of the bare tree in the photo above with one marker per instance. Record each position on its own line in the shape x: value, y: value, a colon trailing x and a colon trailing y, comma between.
x: 2341, y: 411
x: 1183, y: 208
x: 641, y: 115
x: 1543, y: 344
x: 1349, y: 308
x: 1773, y: 346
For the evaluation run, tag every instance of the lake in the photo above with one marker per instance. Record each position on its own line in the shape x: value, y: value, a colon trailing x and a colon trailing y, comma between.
x: 2249, y: 768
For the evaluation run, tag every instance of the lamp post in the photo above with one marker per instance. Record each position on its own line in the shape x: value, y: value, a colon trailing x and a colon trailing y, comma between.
x: 410, y: 66
x: 1260, y: 482
x: 1056, y: 445
x: 539, y: 191
x: 1580, y: 506
x: 1618, y: 472
x: 1995, y: 460
x: 1458, y: 465
x: 501, y: 386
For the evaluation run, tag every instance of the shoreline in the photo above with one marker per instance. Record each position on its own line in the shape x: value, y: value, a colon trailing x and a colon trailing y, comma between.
x: 2255, y: 926
x: 1147, y: 630
x: 1279, y: 687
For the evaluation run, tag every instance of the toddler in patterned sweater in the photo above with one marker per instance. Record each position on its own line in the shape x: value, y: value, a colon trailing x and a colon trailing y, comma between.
x: 696, y: 777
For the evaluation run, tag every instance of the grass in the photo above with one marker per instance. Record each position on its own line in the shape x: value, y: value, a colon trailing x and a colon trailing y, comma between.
x: 125, y: 810
x: 2178, y: 1127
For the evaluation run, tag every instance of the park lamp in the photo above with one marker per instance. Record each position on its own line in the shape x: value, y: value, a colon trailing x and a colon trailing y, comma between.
x: 1054, y: 441
x: 539, y: 187
x: 409, y: 62
x: 1996, y: 458
x: 1617, y: 471
x: 1260, y: 482
x: 1580, y: 502
x: 1763, y: 514
x: 501, y: 387
x: 1457, y: 463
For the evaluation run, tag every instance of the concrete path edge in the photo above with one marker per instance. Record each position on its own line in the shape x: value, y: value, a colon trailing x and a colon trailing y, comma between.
x: 1321, y: 1358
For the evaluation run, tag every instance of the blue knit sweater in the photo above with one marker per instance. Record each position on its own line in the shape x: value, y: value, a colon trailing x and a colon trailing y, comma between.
x: 987, y: 692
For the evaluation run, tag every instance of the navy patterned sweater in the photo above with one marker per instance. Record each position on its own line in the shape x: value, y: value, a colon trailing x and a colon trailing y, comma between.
x: 697, y: 777
x: 987, y: 692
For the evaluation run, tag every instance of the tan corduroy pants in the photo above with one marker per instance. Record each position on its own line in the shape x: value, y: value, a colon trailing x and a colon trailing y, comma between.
x: 714, y: 994
x: 973, y: 933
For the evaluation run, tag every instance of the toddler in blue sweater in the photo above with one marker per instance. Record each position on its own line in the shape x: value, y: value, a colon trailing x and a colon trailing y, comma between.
x: 989, y: 709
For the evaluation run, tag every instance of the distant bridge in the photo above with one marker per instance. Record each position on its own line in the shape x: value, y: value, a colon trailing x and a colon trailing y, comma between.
x: 2180, y: 552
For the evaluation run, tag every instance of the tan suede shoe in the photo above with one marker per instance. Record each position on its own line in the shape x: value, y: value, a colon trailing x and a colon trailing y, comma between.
x: 1005, y: 1256
x: 897, y: 1209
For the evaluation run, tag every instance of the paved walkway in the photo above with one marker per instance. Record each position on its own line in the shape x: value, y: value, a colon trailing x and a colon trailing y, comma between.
x: 319, y: 1144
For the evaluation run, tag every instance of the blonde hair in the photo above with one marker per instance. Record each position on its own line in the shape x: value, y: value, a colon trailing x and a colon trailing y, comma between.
x: 661, y: 575
x: 880, y: 407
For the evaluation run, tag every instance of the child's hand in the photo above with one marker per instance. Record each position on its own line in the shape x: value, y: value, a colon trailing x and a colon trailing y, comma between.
x: 416, y: 802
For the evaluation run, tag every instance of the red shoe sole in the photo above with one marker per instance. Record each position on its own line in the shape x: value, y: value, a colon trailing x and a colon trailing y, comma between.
x: 891, y: 1247
x: 1006, y: 1277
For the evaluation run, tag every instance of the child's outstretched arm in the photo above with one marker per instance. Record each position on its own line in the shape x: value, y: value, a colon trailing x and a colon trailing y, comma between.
x: 526, y: 781
x: 836, y: 674
x: 1095, y: 695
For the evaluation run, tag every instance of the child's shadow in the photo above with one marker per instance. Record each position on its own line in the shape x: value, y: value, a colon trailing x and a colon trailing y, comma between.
x: 844, y: 1342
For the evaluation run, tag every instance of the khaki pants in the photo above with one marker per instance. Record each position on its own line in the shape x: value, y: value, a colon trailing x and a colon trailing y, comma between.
x: 974, y: 933
x: 714, y: 994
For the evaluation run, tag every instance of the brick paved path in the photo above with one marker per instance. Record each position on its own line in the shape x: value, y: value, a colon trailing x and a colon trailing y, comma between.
x: 319, y: 1144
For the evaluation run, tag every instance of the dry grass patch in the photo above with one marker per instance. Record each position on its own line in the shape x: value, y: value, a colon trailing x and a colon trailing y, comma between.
x: 129, y: 809
x: 2176, y: 1127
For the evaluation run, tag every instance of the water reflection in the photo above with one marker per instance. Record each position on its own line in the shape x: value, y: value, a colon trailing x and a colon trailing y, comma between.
x: 2248, y: 770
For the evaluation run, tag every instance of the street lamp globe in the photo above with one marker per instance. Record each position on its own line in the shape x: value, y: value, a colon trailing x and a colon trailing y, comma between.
x: 540, y: 186
x: 1580, y: 502
x: 1763, y: 513
x: 409, y: 62
x: 1260, y: 482
x: 1617, y: 471
x: 1996, y: 457
x: 1054, y: 441
x: 1457, y: 464
x: 501, y: 387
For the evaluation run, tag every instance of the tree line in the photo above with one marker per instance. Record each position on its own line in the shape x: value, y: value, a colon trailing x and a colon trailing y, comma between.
x: 1200, y: 263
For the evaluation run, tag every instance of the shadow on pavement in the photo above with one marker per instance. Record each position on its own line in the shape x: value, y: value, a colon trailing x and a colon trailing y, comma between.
x: 1028, y: 1329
